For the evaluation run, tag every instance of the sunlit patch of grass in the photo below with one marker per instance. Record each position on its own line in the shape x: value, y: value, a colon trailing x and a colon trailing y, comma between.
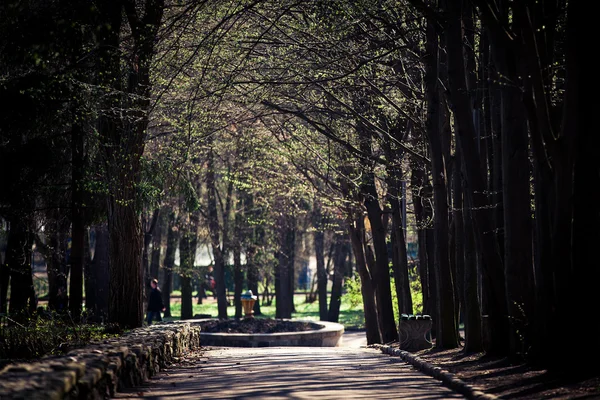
x: 351, y: 315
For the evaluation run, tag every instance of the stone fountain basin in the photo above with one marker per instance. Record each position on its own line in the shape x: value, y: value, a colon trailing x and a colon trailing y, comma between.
x: 329, y: 335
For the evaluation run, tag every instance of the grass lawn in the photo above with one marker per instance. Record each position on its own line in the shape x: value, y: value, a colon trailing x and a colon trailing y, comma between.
x: 350, y: 317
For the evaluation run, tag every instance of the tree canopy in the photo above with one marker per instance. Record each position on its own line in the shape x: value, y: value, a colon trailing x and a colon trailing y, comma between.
x: 267, y: 130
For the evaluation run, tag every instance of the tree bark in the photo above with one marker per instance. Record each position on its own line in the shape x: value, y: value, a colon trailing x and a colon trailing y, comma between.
x: 285, y: 258
x: 578, y: 280
x: 90, y: 294
x: 172, y: 242
x: 238, y: 281
x: 421, y: 219
x: 355, y: 232
x: 319, y: 243
x: 446, y: 332
x: 458, y: 208
x: 518, y: 266
x: 55, y: 252
x: 4, y: 282
x: 339, y: 264
x: 497, y: 321
x: 215, y: 236
x: 187, y: 252
x: 380, y: 274
x: 395, y: 196
x: 149, y: 227
x: 472, y: 306
x: 252, y: 241
x: 123, y: 145
x: 77, y: 257
x: 18, y: 261
x: 100, y: 273
x: 400, y: 259
x: 157, y: 240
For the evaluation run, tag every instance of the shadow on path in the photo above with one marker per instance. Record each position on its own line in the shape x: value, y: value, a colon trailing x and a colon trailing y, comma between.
x: 346, y: 372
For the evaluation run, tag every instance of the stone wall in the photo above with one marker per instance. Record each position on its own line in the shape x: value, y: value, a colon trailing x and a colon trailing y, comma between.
x: 100, y: 369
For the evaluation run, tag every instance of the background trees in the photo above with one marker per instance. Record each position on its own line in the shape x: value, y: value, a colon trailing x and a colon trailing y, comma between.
x: 254, y: 125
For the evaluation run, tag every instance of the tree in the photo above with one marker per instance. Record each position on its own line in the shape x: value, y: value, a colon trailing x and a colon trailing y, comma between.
x: 123, y: 143
x: 446, y: 332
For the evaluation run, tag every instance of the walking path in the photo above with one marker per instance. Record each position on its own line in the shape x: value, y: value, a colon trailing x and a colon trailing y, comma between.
x: 351, y: 371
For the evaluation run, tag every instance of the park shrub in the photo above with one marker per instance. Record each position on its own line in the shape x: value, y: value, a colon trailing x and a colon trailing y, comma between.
x: 352, y: 291
x: 47, y: 333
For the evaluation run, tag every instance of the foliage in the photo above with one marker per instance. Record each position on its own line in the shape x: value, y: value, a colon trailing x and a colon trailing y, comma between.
x: 48, y: 333
x: 416, y: 291
x: 352, y: 291
x: 353, y: 294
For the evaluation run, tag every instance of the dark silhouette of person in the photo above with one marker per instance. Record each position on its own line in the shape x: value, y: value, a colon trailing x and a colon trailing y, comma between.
x: 155, y: 303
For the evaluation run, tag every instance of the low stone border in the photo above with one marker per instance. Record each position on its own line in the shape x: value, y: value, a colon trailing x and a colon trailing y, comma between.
x: 447, y: 378
x: 330, y: 335
x: 100, y: 369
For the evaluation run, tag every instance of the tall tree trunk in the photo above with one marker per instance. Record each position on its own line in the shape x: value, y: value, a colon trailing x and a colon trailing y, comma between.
x: 578, y: 280
x: 238, y: 273
x: 149, y: 227
x: 4, y: 282
x: 285, y: 258
x: 18, y: 261
x: 459, y: 236
x: 518, y: 257
x: 252, y: 241
x: 446, y: 332
x: 497, y: 320
x: 89, y: 293
x: 586, y: 204
x: 518, y: 265
x: 319, y: 243
x: 417, y: 185
x: 238, y: 281
x: 125, y: 290
x: 215, y: 236
x: 252, y: 274
x: 187, y: 252
x: 77, y: 257
x: 169, y: 265
x: 496, y: 200
x: 292, y: 267
x: 55, y: 253
x: 538, y: 23
x: 3, y: 237
x: 99, y: 271
x: 339, y: 264
x: 381, y: 268
x: 472, y: 306
x: 399, y: 253
x: 125, y: 297
x: 355, y: 232
x: 123, y: 141
x: 380, y: 274
x: 157, y: 239
x: 396, y: 199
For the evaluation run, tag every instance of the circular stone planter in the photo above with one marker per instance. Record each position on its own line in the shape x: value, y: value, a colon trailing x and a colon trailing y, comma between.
x: 330, y: 335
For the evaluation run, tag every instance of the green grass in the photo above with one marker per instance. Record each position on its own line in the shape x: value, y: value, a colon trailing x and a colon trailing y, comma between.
x: 350, y: 317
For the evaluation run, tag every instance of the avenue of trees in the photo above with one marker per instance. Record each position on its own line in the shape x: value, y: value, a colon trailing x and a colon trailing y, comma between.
x: 271, y: 130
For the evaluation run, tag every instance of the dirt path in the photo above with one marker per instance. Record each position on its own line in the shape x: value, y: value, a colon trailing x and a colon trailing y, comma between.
x: 348, y: 372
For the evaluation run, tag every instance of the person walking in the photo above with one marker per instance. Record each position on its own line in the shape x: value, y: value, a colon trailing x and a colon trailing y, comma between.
x: 155, y: 303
